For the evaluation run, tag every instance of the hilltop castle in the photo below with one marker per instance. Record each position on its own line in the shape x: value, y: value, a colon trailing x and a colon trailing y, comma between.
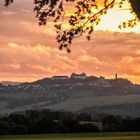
x: 73, y: 76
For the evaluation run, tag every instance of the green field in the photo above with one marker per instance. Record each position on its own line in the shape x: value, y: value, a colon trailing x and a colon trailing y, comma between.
x: 77, y: 136
x: 76, y: 104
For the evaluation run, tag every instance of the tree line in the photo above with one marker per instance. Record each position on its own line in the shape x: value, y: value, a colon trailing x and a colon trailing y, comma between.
x: 46, y: 121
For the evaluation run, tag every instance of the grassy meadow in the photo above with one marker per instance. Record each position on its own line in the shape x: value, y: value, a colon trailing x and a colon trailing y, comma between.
x: 77, y: 104
x: 77, y: 136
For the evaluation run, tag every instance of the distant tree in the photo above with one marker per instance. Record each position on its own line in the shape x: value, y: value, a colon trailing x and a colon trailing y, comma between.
x: 111, y: 123
x: 84, y: 117
x: 130, y: 124
x: 72, y: 125
x: 4, y: 127
x: 18, y: 129
x: 88, y: 127
x: 60, y: 127
x: 86, y: 16
x: 19, y: 119
x: 44, y: 125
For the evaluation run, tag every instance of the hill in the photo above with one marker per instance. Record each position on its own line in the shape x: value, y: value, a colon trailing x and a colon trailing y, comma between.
x: 91, y: 94
x: 7, y: 83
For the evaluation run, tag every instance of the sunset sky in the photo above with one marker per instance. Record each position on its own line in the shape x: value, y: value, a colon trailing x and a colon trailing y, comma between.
x: 29, y: 52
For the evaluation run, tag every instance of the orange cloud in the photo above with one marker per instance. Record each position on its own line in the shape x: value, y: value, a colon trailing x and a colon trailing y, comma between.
x: 29, y: 52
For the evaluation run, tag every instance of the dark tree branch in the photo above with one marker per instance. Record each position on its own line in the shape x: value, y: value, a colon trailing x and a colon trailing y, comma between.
x: 83, y: 20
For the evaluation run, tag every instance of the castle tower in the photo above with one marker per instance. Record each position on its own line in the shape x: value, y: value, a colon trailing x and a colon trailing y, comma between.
x: 116, y: 76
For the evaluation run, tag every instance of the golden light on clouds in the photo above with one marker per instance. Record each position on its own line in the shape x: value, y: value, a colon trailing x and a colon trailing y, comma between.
x: 29, y: 52
x: 115, y: 17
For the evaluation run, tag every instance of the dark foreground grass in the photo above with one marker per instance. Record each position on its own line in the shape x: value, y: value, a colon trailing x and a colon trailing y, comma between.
x: 77, y: 136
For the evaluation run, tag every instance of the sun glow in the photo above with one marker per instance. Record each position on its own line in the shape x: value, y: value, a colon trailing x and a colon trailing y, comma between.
x: 115, y: 17
x: 34, y: 52
x: 112, y: 19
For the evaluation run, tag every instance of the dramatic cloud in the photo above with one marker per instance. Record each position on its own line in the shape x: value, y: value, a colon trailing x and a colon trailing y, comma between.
x: 29, y: 52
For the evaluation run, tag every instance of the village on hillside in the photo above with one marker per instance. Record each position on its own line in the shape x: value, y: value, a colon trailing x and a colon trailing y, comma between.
x: 74, y: 80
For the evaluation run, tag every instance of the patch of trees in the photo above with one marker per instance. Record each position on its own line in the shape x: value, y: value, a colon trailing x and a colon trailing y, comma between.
x: 45, y: 121
x: 116, y: 123
x: 39, y: 122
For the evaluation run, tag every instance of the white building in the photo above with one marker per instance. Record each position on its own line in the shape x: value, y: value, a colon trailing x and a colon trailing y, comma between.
x: 78, y: 76
x: 60, y: 77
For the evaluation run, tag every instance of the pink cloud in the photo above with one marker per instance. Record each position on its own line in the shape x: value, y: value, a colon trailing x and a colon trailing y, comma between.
x: 29, y: 52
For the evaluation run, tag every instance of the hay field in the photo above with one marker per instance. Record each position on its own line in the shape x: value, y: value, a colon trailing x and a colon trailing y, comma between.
x: 78, y: 136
